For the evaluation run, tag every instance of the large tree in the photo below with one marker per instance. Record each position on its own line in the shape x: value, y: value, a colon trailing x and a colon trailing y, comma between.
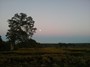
x: 21, y: 28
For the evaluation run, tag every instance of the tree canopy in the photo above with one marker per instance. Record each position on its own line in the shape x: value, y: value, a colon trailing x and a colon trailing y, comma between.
x: 21, y: 28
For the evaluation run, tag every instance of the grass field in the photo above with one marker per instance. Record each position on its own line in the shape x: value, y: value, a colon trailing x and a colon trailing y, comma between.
x: 46, y: 57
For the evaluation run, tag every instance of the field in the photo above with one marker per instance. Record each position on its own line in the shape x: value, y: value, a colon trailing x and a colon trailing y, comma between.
x: 46, y: 57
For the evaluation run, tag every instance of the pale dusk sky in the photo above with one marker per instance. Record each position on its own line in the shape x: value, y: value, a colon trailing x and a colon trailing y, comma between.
x: 56, y: 21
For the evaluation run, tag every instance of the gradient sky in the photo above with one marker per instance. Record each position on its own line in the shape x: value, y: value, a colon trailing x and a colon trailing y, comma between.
x: 56, y: 20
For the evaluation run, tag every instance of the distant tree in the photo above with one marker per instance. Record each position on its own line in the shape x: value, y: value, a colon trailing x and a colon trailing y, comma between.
x: 0, y: 39
x: 21, y: 28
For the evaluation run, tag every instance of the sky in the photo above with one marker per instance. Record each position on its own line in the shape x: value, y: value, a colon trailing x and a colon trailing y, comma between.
x: 66, y: 21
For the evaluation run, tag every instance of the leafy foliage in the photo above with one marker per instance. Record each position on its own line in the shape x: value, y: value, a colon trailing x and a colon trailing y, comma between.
x: 21, y: 28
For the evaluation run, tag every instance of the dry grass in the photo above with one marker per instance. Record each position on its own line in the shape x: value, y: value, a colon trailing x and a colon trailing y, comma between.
x: 48, y: 56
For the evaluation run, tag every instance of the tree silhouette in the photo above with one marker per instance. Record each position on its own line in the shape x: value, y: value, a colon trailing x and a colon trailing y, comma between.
x: 21, y: 28
x: 0, y: 39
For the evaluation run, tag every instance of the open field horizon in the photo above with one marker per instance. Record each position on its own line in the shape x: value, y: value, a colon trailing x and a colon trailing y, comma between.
x: 46, y: 57
x: 58, y: 39
x: 60, y: 30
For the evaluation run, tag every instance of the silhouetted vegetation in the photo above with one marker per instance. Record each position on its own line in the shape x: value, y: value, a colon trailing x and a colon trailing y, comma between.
x: 21, y: 28
x: 4, y: 46
x: 22, y: 51
x: 28, y: 44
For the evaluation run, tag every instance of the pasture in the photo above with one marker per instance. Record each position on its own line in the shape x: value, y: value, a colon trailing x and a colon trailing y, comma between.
x: 46, y: 57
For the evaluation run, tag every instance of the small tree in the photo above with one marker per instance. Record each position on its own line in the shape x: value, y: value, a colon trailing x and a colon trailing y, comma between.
x: 0, y: 39
x: 21, y: 28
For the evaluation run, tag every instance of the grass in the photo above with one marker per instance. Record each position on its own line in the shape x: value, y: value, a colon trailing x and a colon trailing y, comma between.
x: 46, y: 57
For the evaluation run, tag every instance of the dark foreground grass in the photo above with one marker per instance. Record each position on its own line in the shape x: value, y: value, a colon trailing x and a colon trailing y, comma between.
x: 46, y: 57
